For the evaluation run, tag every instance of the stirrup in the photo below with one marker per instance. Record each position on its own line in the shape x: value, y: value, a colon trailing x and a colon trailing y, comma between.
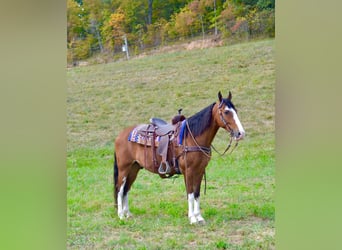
x: 161, y: 170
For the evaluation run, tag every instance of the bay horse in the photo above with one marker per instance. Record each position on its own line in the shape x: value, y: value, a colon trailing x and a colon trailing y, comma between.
x: 193, y: 154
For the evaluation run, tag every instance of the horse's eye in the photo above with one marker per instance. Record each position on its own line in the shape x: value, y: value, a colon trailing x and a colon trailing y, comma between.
x: 226, y: 112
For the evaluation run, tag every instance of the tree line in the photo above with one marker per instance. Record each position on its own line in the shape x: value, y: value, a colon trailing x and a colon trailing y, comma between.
x: 99, y: 26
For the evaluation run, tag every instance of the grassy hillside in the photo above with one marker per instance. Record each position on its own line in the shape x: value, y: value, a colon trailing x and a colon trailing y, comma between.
x: 239, y: 204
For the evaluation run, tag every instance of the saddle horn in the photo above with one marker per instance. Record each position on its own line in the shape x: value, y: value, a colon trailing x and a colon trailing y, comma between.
x: 178, y: 118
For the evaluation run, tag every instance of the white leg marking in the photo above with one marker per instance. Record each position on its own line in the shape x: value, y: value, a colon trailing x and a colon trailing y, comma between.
x: 191, y: 215
x: 126, y: 211
x: 120, y: 199
x: 196, y: 206
x: 197, y: 211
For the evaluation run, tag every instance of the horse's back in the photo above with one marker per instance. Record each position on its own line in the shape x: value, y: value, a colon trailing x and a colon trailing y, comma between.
x: 123, y: 135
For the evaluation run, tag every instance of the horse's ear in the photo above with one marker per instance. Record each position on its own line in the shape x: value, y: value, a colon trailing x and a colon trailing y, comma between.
x: 219, y: 96
x: 230, y: 96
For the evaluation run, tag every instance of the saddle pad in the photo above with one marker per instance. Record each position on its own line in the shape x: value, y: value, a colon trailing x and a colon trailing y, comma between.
x: 181, y: 133
x: 136, y: 136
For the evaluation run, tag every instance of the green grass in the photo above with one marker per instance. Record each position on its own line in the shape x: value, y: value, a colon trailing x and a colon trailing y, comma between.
x: 239, y: 201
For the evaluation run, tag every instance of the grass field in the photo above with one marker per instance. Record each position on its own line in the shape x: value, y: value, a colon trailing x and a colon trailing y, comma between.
x: 239, y: 203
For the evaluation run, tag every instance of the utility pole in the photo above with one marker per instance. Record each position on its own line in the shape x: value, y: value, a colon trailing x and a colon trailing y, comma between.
x: 125, y: 47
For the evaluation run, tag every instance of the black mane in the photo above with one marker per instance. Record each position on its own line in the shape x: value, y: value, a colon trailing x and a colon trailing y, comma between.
x: 200, y: 121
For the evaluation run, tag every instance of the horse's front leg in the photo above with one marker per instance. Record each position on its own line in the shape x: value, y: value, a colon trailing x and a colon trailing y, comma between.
x: 194, y: 212
x: 125, y: 208
x: 197, y: 211
x: 193, y: 189
x: 191, y: 212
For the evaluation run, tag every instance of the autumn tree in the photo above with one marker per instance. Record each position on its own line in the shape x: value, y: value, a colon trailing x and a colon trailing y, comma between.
x: 113, y: 30
x: 76, y: 27
x: 197, y: 9
x: 186, y: 22
x: 94, y: 9
x: 78, y: 39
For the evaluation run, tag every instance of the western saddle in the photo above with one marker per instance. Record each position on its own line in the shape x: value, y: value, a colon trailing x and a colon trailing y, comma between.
x: 166, y: 133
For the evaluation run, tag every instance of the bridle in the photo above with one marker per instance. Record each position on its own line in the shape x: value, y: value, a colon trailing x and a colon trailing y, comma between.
x: 230, y: 131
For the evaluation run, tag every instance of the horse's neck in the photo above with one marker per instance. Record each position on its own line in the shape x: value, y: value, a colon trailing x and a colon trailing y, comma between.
x: 206, y: 138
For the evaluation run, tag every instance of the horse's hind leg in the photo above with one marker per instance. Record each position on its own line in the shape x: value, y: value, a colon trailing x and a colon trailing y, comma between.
x: 120, y: 179
x: 120, y: 197
x: 127, y: 181
x: 130, y: 179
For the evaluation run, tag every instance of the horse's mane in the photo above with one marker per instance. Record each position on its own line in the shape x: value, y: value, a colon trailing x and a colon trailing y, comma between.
x: 200, y: 121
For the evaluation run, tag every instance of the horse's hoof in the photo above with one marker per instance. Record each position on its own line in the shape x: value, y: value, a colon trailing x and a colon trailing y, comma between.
x: 193, y: 220
x: 200, y: 219
x: 128, y: 215
x: 201, y: 222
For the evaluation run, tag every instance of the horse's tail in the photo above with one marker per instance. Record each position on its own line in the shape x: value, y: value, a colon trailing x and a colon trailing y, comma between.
x: 115, y: 177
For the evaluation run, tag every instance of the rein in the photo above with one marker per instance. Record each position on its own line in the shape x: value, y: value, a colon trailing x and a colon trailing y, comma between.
x: 206, y: 151
x: 228, y: 146
x: 231, y: 133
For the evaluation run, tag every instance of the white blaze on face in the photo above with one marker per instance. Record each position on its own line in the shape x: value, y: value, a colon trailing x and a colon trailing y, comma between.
x: 236, y: 119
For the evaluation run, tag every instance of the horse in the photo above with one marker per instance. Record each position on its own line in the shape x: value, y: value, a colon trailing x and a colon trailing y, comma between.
x: 192, y: 150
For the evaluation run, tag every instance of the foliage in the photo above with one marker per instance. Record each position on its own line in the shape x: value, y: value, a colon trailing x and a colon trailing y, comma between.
x: 186, y: 22
x: 171, y: 20
x: 266, y: 4
x: 155, y: 33
x: 76, y: 21
x: 117, y: 23
x: 81, y: 49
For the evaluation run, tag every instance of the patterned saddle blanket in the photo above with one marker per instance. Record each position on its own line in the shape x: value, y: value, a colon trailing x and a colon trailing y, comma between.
x: 137, y: 136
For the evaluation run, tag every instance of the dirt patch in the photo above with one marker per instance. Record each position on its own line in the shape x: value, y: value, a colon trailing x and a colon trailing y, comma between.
x: 213, y: 41
x: 205, y: 43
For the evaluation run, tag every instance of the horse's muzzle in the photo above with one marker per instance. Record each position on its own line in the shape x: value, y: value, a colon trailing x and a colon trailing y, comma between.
x: 239, y: 135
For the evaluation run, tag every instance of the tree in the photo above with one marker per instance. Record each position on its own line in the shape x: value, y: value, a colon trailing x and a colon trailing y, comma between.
x: 186, y: 22
x: 117, y: 22
x: 76, y: 21
x: 227, y: 19
x: 114, y: 29
x: 135, y: 14
x: 266, y: 4
x: 78, y: 42
x: 94, y: 8
x: 149, y: 12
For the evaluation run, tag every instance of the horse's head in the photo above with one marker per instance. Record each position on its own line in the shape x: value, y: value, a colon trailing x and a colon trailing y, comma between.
x: 228, y: 118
